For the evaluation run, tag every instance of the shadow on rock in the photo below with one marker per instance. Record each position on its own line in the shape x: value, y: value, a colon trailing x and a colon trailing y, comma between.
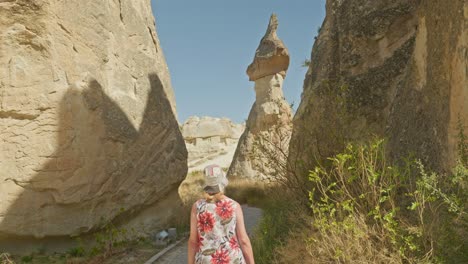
x: 103, y: 167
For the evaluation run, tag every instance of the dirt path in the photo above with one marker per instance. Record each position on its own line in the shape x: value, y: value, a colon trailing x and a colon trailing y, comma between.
x: 178, y: 255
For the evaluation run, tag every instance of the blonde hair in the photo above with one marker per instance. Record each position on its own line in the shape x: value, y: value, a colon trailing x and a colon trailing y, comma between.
x: 215, y: 197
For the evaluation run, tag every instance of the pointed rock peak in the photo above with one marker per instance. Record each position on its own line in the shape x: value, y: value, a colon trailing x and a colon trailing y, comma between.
x: 273, y: 25
x: 271, y: 57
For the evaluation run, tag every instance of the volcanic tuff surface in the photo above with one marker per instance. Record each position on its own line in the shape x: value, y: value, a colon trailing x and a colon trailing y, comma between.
x: 210, y: 140
x: 88, y: 125
x: 395, y: 69
x: 271, y: 56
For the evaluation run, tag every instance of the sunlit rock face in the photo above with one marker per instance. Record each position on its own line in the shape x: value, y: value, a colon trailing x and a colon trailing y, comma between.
x: 210, y: 140
x: 268, y: 126
x: 88, y: 126
x: 392, y: 69
x: 271, y: 56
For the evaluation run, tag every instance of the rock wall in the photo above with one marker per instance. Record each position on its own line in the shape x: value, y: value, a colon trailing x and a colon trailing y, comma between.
x: 210, y: 140
x: 393, y: 69
x: 263, y: 147
x: 88, y: 126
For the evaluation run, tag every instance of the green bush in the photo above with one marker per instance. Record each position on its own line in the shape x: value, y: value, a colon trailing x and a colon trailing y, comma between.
x: 271, y: 231
x: 363, y: 209
x: 406, y: 214
x: 283, y: 214
x: 27, y: 259
x: 355, y: 199
x: 77, y: 251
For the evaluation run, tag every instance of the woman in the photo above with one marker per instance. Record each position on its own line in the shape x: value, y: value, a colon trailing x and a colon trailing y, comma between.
x: 217, y: 230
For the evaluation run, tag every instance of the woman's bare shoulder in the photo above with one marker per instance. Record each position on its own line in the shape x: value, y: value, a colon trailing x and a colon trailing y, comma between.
x: 232, y: 200
x: 197, y: 202
x: 235, y: 203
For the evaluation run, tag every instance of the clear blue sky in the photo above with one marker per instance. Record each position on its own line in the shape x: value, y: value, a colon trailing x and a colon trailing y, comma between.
x: 208, y: 45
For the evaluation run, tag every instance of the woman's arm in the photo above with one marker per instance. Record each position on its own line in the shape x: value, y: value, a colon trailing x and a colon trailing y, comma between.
x: 193, y: 239
x: 242, y: 237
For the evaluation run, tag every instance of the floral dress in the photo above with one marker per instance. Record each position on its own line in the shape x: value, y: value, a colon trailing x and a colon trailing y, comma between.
x: 216, y: 226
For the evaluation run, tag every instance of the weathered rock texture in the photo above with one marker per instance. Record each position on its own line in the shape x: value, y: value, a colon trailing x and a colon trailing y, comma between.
x: 210, y: 140
x: 394, y: 69
x: 87, y: 117
x: 268, y: 127
x: 271, y: 57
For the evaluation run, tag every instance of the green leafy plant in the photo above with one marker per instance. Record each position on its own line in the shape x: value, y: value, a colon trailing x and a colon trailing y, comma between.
x: 280, y: 216
x: 406, y: 212
x: 356, y: 198
x: 77, y: 251
x: 109, y: 237
x: 27, y: 259
x: 462, y: 143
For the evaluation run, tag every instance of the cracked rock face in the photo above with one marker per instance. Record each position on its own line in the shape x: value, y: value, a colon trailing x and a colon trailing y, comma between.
x: 264, y: 143
x: 394, y: 69
x: 88, y: 126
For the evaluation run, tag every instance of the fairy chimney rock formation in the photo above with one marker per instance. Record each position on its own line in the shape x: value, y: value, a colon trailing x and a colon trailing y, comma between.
x: 266, y: 137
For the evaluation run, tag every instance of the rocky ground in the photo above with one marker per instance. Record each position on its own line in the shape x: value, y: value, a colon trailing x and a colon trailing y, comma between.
x: 131, y: 252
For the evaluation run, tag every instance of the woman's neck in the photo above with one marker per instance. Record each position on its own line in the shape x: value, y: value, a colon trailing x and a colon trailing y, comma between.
x: 215, y: 197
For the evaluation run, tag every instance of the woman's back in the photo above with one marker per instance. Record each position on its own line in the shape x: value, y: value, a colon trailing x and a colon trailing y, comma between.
x: 216, y: 227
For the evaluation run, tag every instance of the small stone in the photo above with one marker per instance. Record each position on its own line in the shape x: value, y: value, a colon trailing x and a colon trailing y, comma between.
x: 172, y: 233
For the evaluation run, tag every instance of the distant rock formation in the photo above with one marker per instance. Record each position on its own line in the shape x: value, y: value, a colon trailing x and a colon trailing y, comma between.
x: 269, y: 124
x: 394, y: 69
x: 88, y: 126
x: 210, y: 140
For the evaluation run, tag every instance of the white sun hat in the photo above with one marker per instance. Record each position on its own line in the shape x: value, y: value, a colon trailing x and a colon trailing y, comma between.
x: 215, y: 179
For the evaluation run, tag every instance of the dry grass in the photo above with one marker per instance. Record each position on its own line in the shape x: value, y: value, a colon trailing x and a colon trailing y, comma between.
x: 249, y: 192
x: 244, y: 191
x: 363, y: 210
x: 357, y: 244
x: 191, y: 188
x: 339, y: 245
x: 132, y: 252
x: 136, y: 251
x: 287, y: 234
x: 5, y: 258
x: 282, y: 217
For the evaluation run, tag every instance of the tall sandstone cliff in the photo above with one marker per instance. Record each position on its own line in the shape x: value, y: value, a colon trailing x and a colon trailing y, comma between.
x: 88, y: 127
x: 392, y: 69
